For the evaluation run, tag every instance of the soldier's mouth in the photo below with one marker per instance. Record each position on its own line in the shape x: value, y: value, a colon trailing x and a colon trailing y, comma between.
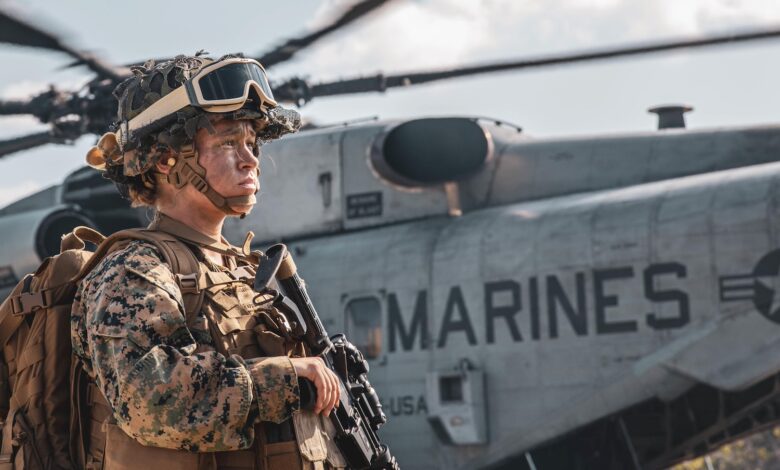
x: 249, y: 183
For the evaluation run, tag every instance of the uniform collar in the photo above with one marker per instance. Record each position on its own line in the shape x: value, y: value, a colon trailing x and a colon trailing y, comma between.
x: 181, y: 230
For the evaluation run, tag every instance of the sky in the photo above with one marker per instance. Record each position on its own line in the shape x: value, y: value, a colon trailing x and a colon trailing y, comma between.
x: 727, y: 86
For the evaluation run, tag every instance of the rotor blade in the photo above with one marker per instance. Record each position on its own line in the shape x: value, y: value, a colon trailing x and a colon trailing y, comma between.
x: 14, y: 30
x: 292, y: 46
x: 18, y: 144
x: 12, y: 107
x: 46, y: 106
x: 381, y: 82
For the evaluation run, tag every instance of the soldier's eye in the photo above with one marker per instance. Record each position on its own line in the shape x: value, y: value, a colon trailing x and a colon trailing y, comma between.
x: 229, y: 143
x: 254, y: 146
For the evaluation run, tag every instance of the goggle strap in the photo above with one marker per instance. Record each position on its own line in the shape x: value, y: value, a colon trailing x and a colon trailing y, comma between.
x: 165, y: 106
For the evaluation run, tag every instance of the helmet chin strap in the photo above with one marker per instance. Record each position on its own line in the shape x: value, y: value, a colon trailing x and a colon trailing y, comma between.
x: 188, y: 170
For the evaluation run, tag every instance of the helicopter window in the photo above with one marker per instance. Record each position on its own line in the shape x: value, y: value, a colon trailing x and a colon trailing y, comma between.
x: 451, y: 389
x: 364, y: 325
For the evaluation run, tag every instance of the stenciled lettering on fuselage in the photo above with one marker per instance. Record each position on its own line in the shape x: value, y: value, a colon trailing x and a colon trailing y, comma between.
x: 553, y: 301
x: 405, y: 405
x: 549, y: 305
x: 364, y: 205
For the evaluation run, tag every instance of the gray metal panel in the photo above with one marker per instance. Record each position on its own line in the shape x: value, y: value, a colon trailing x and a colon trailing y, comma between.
x: 290, y: 200
x: 684, y: 223
x: 541, y: 387
x: 544, y: 168
x: 19, y: 235
x: 44, y: 198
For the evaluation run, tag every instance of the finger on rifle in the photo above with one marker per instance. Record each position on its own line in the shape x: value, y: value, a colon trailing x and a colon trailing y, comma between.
x: 323, y: 386
x: 331, y: 392
x: 329, y: 404
x: 322, y: 394
x: 337, y: 398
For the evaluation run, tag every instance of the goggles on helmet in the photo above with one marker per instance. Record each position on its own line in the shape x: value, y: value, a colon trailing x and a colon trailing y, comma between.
x: 220, y: 87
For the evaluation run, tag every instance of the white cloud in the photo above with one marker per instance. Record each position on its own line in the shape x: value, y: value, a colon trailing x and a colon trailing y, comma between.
x: 431, y: 34
x: 396, y: 37
x: 15, y: 126
x: 23, y: 90
x: 702, y: 15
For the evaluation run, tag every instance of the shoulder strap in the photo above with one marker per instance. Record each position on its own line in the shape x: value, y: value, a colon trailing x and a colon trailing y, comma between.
x: 76, y: 239
x: 11, y: 322
x: 185, y: 267
x: 176, y: 253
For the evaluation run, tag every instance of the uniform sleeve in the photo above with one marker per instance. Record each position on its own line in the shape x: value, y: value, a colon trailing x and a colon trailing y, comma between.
x: 276, y: 387
x: 163, y: 393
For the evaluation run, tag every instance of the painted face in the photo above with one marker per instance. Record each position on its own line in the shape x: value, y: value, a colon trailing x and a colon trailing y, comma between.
x: 230, y: 157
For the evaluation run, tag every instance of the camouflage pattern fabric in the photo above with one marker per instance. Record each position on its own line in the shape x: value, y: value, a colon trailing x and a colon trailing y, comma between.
x: 166, y: 388
x: 281, y: 121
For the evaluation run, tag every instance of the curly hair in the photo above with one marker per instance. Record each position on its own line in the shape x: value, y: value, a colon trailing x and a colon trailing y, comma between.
x: 140, y: 190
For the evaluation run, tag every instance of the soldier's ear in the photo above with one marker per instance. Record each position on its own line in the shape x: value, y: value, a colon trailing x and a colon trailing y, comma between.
x: 166, y: 162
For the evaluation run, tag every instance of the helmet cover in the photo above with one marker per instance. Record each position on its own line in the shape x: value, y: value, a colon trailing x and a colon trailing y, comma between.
x: 150, y: 82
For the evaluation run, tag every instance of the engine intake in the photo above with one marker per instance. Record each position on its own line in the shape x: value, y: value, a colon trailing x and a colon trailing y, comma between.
x: 431, y: 151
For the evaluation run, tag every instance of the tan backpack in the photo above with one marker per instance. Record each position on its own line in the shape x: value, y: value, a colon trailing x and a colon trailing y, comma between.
x: 37, y: 373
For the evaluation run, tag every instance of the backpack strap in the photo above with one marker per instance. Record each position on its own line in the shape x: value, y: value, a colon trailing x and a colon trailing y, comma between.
x: 11, y: 322
x: 185, y: 267
x: 176, y: 254
x: 7, y: 450
x: 76, y: 239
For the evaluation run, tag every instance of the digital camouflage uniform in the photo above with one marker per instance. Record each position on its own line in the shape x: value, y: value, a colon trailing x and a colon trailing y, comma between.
x: 212, y: 380
x: 167, y: 384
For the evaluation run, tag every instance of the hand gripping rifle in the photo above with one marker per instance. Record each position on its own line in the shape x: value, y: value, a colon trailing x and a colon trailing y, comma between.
x: 358, y: 415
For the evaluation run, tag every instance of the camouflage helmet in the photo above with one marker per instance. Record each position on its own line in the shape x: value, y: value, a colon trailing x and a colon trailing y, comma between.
x: 150, y: 82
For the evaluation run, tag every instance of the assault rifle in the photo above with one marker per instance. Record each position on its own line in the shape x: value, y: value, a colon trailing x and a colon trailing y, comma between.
x: 358, y: 415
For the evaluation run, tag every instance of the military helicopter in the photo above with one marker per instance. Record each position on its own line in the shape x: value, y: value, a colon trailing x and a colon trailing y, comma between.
x: 600, y: 302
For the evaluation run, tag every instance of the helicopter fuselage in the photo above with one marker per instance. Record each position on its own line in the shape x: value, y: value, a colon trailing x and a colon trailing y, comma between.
x: 533, y: 300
